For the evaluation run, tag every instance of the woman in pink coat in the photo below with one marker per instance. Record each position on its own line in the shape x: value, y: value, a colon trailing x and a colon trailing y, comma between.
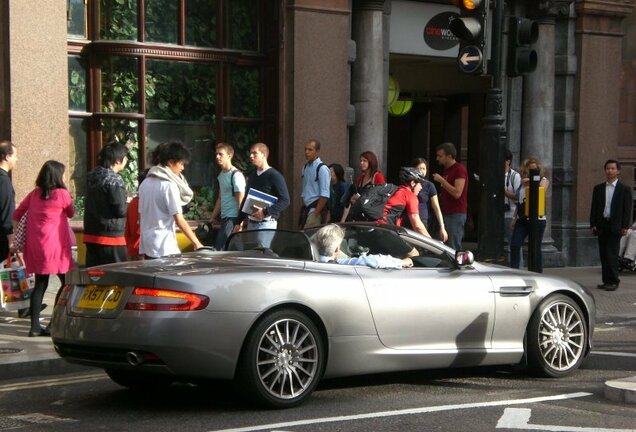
x: 48, y: 243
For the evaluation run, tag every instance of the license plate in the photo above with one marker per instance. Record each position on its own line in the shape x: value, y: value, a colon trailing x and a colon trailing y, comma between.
x: 104, y: 297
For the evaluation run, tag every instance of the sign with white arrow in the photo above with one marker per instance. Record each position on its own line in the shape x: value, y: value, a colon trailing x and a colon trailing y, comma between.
x: 470, y: 59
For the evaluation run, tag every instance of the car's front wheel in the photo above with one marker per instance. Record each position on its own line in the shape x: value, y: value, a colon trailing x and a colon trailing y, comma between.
x: 283, y: 359
x: 557, y: 337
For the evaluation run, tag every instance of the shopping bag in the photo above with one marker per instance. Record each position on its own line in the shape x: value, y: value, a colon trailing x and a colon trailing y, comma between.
x: 19, y: 236
x: 17, y: 285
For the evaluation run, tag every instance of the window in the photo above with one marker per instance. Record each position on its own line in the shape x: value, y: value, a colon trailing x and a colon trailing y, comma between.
x: 192, y: 70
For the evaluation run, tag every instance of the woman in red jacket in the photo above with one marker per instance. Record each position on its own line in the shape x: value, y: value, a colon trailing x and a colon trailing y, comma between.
x: 48, y: 244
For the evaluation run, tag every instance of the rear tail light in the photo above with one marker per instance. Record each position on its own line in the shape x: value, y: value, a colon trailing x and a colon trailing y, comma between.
x: 151, y: 299
x: 63, y: 298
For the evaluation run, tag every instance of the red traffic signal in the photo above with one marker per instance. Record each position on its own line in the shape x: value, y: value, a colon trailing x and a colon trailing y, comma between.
x: 470, y: 29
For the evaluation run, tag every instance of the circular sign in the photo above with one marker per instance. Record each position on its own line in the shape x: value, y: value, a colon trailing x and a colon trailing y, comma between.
x: 470, y: 59
x: 437, y: 34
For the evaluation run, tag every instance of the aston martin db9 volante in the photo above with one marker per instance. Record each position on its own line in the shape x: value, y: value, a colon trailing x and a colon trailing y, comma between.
x: 266, y: 313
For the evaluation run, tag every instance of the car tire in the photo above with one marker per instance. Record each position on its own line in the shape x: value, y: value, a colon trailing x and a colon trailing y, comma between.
x: 557, y: 337
x: 137, y: 380
x: 282, y: 360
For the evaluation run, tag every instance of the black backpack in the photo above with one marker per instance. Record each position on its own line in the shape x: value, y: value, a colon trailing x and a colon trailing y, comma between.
x: 370, y: 204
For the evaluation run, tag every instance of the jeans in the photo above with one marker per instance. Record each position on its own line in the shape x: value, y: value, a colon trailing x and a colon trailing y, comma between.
x: 455, y: 228
x: 519, y: 234
x: 264, y: 238
x: 227, y: 224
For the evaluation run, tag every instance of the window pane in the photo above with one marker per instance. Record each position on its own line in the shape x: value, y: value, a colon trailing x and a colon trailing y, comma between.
x: 76, y: 83
x: 198, y: 136
x: 120, y: 86
x: 180, y: 91
x: 76, y: 19
x: 161, y: 21
x: 78, y: 166
x: 245, y: 85
x: 243, y: 25
x: 201, y: 22
x: 126, y: 132
x: 241, y: 137
x: 118, y: 19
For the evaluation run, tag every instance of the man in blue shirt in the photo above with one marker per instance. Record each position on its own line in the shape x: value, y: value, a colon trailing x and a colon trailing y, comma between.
x: 316, y: 179
x: 328, y: 240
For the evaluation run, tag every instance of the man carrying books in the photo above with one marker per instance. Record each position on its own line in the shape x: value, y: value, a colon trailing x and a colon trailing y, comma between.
x: 266, y: 196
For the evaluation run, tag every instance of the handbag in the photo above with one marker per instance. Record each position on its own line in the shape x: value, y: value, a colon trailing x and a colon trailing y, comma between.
x: 17, y: 286
x: 19, y: 236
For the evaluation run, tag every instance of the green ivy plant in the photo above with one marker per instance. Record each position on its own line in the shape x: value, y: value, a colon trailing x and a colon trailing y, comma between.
x: 196, y: 97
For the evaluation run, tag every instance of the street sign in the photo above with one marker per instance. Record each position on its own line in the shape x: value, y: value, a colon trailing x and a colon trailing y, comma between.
x: 470, y: 59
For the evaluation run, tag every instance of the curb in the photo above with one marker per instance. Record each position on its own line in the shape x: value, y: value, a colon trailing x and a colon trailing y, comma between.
x: 49, y: 364
x: 621, y: 390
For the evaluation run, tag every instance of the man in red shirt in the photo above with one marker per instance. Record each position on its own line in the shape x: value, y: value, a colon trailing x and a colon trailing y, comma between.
x: 454, y: 193
x: 404, y: 200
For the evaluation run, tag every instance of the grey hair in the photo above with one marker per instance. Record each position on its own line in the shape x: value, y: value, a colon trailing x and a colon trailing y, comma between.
x: 328, y: 239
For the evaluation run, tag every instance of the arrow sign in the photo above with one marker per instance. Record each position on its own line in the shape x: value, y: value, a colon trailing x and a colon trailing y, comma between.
x: 519, y: 418
x: 467, y: 58
x: 470, y: 59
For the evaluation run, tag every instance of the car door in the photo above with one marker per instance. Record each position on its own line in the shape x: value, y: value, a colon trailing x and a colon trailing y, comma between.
x: 431, y: 308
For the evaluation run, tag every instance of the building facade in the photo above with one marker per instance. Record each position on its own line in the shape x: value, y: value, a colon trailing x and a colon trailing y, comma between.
x: 80, y: 73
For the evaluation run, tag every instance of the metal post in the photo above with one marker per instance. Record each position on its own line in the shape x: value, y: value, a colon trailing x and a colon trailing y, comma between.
x: 534, y: 246
x: 491, y: 160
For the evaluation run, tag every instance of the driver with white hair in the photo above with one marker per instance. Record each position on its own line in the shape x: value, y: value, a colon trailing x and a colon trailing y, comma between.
x: 328, y: 240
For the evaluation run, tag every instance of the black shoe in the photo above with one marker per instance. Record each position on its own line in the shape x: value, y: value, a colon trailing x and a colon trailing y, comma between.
x: 26, y: 312
x: 601, y: 286
x: 42, y: 332
x: 611, y: 287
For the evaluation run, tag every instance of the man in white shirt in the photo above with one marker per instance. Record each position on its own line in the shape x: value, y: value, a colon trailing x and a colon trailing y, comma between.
x: 328, y: 240
x: 162, y: 196
x: 512, y: 184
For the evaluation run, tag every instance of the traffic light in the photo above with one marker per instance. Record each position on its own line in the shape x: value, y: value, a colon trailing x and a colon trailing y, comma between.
x: 470, y: 28
x: 521, y: 59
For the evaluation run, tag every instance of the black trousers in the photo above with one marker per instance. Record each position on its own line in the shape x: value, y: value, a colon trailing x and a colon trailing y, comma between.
x: 97, y: 254
x: 41, y: 284
x: 608, y: 247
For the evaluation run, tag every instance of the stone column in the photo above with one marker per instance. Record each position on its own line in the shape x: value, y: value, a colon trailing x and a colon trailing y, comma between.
x: 599, y: 37
x: 369, y: 81
x: 538, y: 109
x: 38, y: 87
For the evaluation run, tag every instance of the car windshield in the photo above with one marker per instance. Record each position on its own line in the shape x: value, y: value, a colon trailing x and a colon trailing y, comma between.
x: 277, y: 243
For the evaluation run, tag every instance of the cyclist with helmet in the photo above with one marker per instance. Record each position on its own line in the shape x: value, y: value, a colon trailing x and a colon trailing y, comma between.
x: 404, y: 200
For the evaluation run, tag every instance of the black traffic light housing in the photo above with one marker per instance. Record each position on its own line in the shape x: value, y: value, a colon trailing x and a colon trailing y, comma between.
x: 521, y: 59
x: 471, y: 30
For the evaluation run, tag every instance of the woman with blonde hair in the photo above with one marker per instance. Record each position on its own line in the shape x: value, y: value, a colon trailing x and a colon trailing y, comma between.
x: 520, y: 222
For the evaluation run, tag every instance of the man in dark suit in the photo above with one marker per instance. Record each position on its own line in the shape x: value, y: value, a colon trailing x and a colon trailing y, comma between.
x: 610, y: 216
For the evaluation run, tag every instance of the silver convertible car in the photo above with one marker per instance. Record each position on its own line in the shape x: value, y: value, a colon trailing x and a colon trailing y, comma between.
x: 266, y: 313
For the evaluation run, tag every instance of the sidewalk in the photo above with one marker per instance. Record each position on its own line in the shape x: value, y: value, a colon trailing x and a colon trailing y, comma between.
x: 22, y: 356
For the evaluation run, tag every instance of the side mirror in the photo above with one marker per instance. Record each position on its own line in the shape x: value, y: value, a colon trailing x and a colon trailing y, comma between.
x: 464, y: 258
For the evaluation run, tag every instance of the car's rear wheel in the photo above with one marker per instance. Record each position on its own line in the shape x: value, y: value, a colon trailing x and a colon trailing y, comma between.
x: 282, y: 360
x: 138, y: 380
x: 557, y: 337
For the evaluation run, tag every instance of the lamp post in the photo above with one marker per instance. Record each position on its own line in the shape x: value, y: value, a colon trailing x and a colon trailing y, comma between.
x: 490, y: 245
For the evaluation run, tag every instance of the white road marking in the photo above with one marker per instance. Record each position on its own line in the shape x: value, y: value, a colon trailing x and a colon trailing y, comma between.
x: 410, y: 411
x: 518, y: 418
x: 614, y: 353
x: 37, y: 418
x: 52, y: 382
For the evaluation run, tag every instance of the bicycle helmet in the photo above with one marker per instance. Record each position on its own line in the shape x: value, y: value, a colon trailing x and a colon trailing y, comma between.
x: 408, y: 173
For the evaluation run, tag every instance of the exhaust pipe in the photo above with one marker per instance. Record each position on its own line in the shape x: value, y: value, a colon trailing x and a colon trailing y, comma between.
x: 134, y: 358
